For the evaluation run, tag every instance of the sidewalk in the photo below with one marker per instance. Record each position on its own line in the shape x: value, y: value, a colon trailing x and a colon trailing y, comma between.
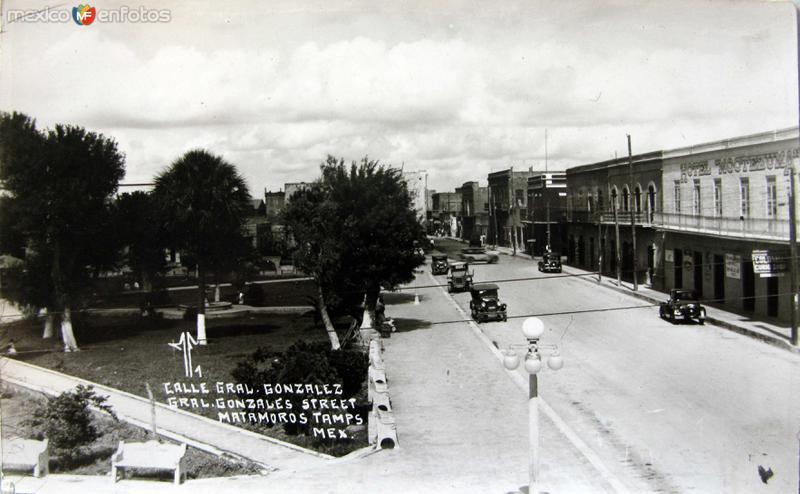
x: 767, y: 331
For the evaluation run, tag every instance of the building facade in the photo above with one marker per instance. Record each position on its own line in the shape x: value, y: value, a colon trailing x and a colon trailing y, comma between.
x: 417, y: 184
x: 607, y: 203
x: 446, y: 213
x: 474, y: 211
x: 726, y: 212
x: 508, y: 207
x: 547, y: 209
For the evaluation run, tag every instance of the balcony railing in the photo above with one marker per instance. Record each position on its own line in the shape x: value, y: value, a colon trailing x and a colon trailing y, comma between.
x: 642, y: 218
x: 756, y: 228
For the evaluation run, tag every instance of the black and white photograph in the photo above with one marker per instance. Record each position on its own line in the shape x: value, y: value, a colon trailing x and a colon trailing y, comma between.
x: 399, y: 246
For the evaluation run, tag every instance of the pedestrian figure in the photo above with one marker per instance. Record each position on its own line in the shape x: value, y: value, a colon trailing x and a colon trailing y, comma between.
x: 241, y: 297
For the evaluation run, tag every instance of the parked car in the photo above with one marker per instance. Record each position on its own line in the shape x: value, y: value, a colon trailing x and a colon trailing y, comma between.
x: 478, y: 254
x: 459, y: 278
x: 682, y: 304
x: 439, y: 264
x: 550, y: 263
x: 485, y: 304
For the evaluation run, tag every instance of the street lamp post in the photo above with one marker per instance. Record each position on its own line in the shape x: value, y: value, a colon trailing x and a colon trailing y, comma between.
x: 533, y: 329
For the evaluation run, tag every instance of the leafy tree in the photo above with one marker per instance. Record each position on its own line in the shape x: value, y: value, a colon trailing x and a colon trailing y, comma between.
x: 204, y: 202
x: 311, y: 219
x: 60, y: 184
x: 356, y: 231
x: 142, y: 234
x: 378, y: 225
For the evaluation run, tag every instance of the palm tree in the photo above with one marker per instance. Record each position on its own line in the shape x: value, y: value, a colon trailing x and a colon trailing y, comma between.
x: 204, y: 202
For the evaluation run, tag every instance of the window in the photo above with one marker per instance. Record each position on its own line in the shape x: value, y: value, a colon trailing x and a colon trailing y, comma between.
x: 625, y: 197
x: 600, y: 200
x: 676, y: 194
x: 744, y: 197
x: 637, y: 199
x: 718, y: 196
x: 696, y: 206
x: 519, y: 195
x: 772, y: 197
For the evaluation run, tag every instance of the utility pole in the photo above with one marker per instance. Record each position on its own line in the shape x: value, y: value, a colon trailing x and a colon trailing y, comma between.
x: 616, y: 230
x: 793, y: 256
x: 633, y: 217
x: 548, y: 226
x: 793, y: 215
x: 511, y: 203
x: 599, y: 248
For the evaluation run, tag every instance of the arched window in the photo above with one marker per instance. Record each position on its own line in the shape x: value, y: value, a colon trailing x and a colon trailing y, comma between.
x: 651, y: 200
x: 625, y: 199
x: 637, y: 198
x: 614, y: 202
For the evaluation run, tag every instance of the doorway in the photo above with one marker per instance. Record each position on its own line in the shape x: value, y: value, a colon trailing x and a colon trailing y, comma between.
x: 719, y: 279
x: 748, y: 286
x: 772, y: 296
x: 697, y: 259
x: 677, y: 262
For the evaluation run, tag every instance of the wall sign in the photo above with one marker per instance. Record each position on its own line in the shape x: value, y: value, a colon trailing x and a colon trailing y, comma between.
x: 770, y: 264
x: 733, y: 266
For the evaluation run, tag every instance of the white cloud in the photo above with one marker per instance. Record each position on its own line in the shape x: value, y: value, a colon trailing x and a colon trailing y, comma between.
x: 458, y: 101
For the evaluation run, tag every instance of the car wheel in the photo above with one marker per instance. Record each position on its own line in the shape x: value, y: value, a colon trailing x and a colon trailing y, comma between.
x: 505, y: 318
x: 449, y: 288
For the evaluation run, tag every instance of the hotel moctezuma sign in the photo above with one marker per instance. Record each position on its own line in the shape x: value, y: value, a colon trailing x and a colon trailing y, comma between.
x: 777, y: 160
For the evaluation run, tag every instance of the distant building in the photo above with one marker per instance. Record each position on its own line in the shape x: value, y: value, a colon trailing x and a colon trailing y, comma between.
x: 474, y: 211
x: 291, y: 188
x: 508, y: 206
x: 445, y: 213
x: 417, y: 183
x: 547, y: 209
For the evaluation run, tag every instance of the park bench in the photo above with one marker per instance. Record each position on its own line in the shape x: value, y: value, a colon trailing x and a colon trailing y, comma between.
x: 24, y: 454
x: 151, y: 455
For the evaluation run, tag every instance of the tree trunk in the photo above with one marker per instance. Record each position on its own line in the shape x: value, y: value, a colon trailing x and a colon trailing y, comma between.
x: 323, y: 310
x: 49, y: 324
x: 67, y: 335
x: 201, y: 306
x: 147, y: 282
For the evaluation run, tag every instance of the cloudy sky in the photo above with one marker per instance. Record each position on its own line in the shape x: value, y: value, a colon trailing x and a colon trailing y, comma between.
x: 458, y: 88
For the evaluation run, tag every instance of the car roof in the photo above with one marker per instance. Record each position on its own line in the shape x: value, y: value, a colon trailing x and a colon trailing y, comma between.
x: 439, y: 256
x: 484, y: 286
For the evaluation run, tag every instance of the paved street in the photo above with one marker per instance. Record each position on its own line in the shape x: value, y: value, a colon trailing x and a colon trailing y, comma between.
x: 674, y: 407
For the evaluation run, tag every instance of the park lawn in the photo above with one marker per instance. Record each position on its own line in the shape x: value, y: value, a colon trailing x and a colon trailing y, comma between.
x: 95, y: 458
x: 125, y: 352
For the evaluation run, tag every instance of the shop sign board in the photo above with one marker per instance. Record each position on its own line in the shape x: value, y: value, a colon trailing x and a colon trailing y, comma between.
x: 768, y: 264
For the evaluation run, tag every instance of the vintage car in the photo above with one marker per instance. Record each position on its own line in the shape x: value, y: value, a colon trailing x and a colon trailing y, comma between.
x: 682, y: 304
x: 459, y: 278
x: 550, y: 263
x: 485, y: 305
x: 439, y: 264
x: 478, y: 254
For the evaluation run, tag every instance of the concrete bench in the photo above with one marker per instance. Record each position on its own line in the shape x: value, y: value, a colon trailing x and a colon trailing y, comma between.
x: 151, y: 455
x: 26, y: 454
